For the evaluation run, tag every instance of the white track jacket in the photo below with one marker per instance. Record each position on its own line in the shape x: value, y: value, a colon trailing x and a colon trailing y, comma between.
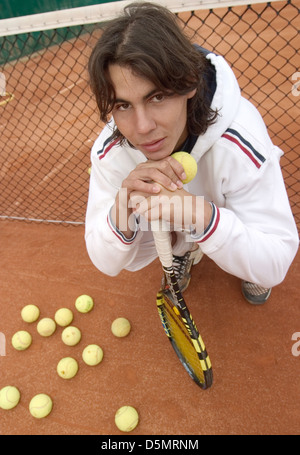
x: 253, y: 234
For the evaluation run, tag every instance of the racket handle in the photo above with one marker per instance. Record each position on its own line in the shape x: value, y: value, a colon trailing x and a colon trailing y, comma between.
x: 162, y: 239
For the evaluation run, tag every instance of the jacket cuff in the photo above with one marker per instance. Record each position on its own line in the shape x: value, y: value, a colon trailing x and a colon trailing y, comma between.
x: 210, y: 229
x: 120, y: 234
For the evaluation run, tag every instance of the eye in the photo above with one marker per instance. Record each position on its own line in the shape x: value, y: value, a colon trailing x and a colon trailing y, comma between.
x: 122, y: 107
x: 158, y: 98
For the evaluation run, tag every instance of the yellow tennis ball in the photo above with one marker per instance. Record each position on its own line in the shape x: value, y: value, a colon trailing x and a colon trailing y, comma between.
x: 30, y: 313
x: 92, y: 354
x: 67, y: 368
x: 63, y: 317
x: 21, y: 340
x: 126, y: 418
x: 84, y: 303
x: 71, y: 336
x: 189, y: 164
x: 46, y: 327
x: 9, y: 397
x: 40, y: 406
x: 120, y: 327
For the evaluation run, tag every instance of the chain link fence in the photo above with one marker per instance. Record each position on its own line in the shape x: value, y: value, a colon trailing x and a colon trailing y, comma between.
x: 49, y: 120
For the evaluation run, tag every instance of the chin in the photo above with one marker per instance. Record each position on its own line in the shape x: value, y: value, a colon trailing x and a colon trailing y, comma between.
x: 156, y: 156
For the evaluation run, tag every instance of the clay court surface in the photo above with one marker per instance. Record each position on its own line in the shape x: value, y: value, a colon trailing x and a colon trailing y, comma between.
x: 48, y: 128
x: 256, y: 376
x: 44, y: 175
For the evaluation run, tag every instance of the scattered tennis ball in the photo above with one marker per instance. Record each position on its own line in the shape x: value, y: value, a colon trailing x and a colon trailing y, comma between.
x: 189, y: 164
x: 67, y: 368
x: 84, y: 303
x: 92, y: 354
x: 71, y: 336
x: 126, y: 418
x: 21, y: 340
x: 40, y: 406
x: 120, y: 327
x: 9, y: 397
x: 63, y: 317
x: 30, y: 313
x: 46, y: 327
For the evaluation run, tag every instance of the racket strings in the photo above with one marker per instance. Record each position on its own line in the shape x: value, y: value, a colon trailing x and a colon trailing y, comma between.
x: 181, y: 340
x: 186, y: 316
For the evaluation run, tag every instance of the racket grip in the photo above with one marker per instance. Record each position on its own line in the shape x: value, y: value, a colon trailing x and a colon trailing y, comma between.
x: 162, y: 239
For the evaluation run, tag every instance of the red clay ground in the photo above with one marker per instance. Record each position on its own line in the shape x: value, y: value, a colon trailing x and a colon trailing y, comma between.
x: 256, y: 376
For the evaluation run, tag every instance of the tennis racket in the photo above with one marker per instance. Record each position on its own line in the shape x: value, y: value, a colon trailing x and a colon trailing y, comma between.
x: 175, y: 316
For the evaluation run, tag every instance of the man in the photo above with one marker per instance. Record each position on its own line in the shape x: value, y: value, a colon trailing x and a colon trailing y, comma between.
x: 158, y: 94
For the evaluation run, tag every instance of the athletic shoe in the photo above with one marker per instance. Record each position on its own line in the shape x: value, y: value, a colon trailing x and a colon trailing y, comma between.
x: 182, y: 267
x: 257, y: 295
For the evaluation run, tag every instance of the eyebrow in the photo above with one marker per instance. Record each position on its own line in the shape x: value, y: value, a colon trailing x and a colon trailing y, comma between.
x: 148, y: 95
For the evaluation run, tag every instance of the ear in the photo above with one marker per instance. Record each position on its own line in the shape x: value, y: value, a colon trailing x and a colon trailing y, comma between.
x: 191, y: 94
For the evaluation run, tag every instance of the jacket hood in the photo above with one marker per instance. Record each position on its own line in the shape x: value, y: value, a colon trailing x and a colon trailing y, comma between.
x: 226, y: 100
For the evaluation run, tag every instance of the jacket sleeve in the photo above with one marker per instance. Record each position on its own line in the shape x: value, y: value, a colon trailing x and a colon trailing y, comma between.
x: 109, y: 250
x: 253, y: 235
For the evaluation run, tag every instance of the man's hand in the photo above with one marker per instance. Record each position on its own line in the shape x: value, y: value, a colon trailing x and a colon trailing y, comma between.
x: 181, y: 209
x: 168, y: 173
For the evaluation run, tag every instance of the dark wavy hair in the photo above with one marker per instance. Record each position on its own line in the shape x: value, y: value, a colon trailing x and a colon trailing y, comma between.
x: 148, y: 39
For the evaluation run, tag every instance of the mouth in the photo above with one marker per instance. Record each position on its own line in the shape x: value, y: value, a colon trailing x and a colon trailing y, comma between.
x: 153, y: 146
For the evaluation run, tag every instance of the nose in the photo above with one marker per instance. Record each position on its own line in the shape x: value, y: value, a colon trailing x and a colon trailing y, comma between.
x: 145, y: 122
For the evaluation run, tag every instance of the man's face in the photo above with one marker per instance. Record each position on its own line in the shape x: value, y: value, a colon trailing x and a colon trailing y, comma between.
x: 153, y: 121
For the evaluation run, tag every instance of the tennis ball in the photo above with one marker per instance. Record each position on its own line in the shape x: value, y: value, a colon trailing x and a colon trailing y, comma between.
x: 126, y: 418
x: 21, y: 340
x: 63, y: 317
x: 92, y: 354
x: 30, y: 313
x: 67, y: 368
x: 71, y: 336
x: 189, y: 164
x: 40, y: 406
x: 9, y: 397
x: 84, y: 303
x: 120, y: 327
x: 46, y: 327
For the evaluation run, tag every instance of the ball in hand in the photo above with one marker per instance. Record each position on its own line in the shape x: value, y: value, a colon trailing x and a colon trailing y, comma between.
x: 189, y: 164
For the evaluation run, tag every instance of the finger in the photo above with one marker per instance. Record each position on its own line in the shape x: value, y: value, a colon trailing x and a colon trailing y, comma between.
x: 160, y: 171
x: 133, y: 184
x: 177, y: 168
x: 152, y: 212
x: 165, y: 176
